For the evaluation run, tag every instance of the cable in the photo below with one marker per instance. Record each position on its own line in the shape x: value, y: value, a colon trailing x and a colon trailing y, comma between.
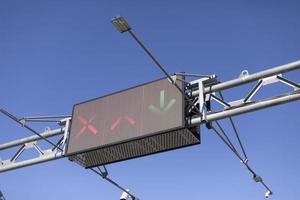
x: 256, y: 177
x: 236, y: 132
x: 227, y: 138
x: 238, y: 137
x: 227, y: 143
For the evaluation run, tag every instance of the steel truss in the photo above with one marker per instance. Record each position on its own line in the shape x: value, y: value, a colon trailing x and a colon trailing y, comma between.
x: 203, y: 92
x: 202, y: 96
x: 57, y: 151
x: 32, y: 142
x: 199, y: 94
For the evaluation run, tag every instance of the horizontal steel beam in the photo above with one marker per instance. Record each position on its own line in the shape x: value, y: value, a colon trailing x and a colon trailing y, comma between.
x: 25, y: 163
x: 250, y: 78
x: 249, y: 107
x: 18, y: 142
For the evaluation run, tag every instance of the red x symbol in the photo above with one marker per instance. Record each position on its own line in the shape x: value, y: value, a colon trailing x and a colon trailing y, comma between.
x: 86, y: 125
x: 130, y: 120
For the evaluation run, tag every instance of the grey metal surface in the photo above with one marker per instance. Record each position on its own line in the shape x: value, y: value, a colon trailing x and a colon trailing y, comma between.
x: 44, y: 154
x: 26, y: 163
x: 145, y: 146
x: 252, y: 77
x: 46, y: 134
x: 249, y: 107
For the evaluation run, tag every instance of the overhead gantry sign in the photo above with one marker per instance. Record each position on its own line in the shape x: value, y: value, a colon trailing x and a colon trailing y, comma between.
x: 135, y: 122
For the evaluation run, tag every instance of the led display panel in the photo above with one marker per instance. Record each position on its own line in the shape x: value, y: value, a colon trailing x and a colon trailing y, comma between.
x: 128, y: 124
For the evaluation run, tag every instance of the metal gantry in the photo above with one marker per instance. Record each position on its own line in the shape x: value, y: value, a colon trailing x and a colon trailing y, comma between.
x: 201, y: 93
x: 56, y: 151
x: 206, y: 93
x: 32, y: 142
x: 199, y: 96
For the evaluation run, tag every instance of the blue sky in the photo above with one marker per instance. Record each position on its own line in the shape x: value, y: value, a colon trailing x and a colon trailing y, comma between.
x: 54, y: 54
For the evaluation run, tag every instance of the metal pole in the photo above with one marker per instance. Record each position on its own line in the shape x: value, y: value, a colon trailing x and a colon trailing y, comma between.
x: 47, y: 117
x: 248, y: 108
x: 250, y: 78
x: 156, y: 62
x: 34, y: 161
x: 47, y: 134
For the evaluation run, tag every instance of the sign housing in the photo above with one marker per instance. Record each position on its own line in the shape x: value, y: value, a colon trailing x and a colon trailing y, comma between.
x: 135, y: 122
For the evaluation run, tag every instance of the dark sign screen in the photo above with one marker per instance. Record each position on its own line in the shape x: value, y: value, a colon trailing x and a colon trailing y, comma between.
x: 137, y: 112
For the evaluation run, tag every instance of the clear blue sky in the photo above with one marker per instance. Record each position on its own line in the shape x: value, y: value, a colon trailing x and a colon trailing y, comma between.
x: 56, y: 53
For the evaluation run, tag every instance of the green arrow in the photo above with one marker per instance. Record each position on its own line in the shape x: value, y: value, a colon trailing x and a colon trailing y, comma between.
x: 162, y: 108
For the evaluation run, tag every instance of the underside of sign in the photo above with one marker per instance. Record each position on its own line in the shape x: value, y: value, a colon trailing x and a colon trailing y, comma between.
x: 139, y: 121
x: 139, y: 147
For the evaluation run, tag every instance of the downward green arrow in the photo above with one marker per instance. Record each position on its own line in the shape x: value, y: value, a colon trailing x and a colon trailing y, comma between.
x: 162, y: 108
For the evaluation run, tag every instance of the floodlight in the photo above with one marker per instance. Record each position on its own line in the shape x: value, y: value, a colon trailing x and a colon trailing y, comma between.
x: 268, y: 194
x: 121, y: 24
x: 125, y: 195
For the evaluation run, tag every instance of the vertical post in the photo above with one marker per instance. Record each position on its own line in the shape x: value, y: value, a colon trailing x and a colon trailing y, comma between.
x: 66, y: 133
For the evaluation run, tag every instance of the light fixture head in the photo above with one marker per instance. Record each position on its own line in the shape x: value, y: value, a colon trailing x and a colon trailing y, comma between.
x: 268, y: 194
x: 125, y: 195
x: 121, y: 24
